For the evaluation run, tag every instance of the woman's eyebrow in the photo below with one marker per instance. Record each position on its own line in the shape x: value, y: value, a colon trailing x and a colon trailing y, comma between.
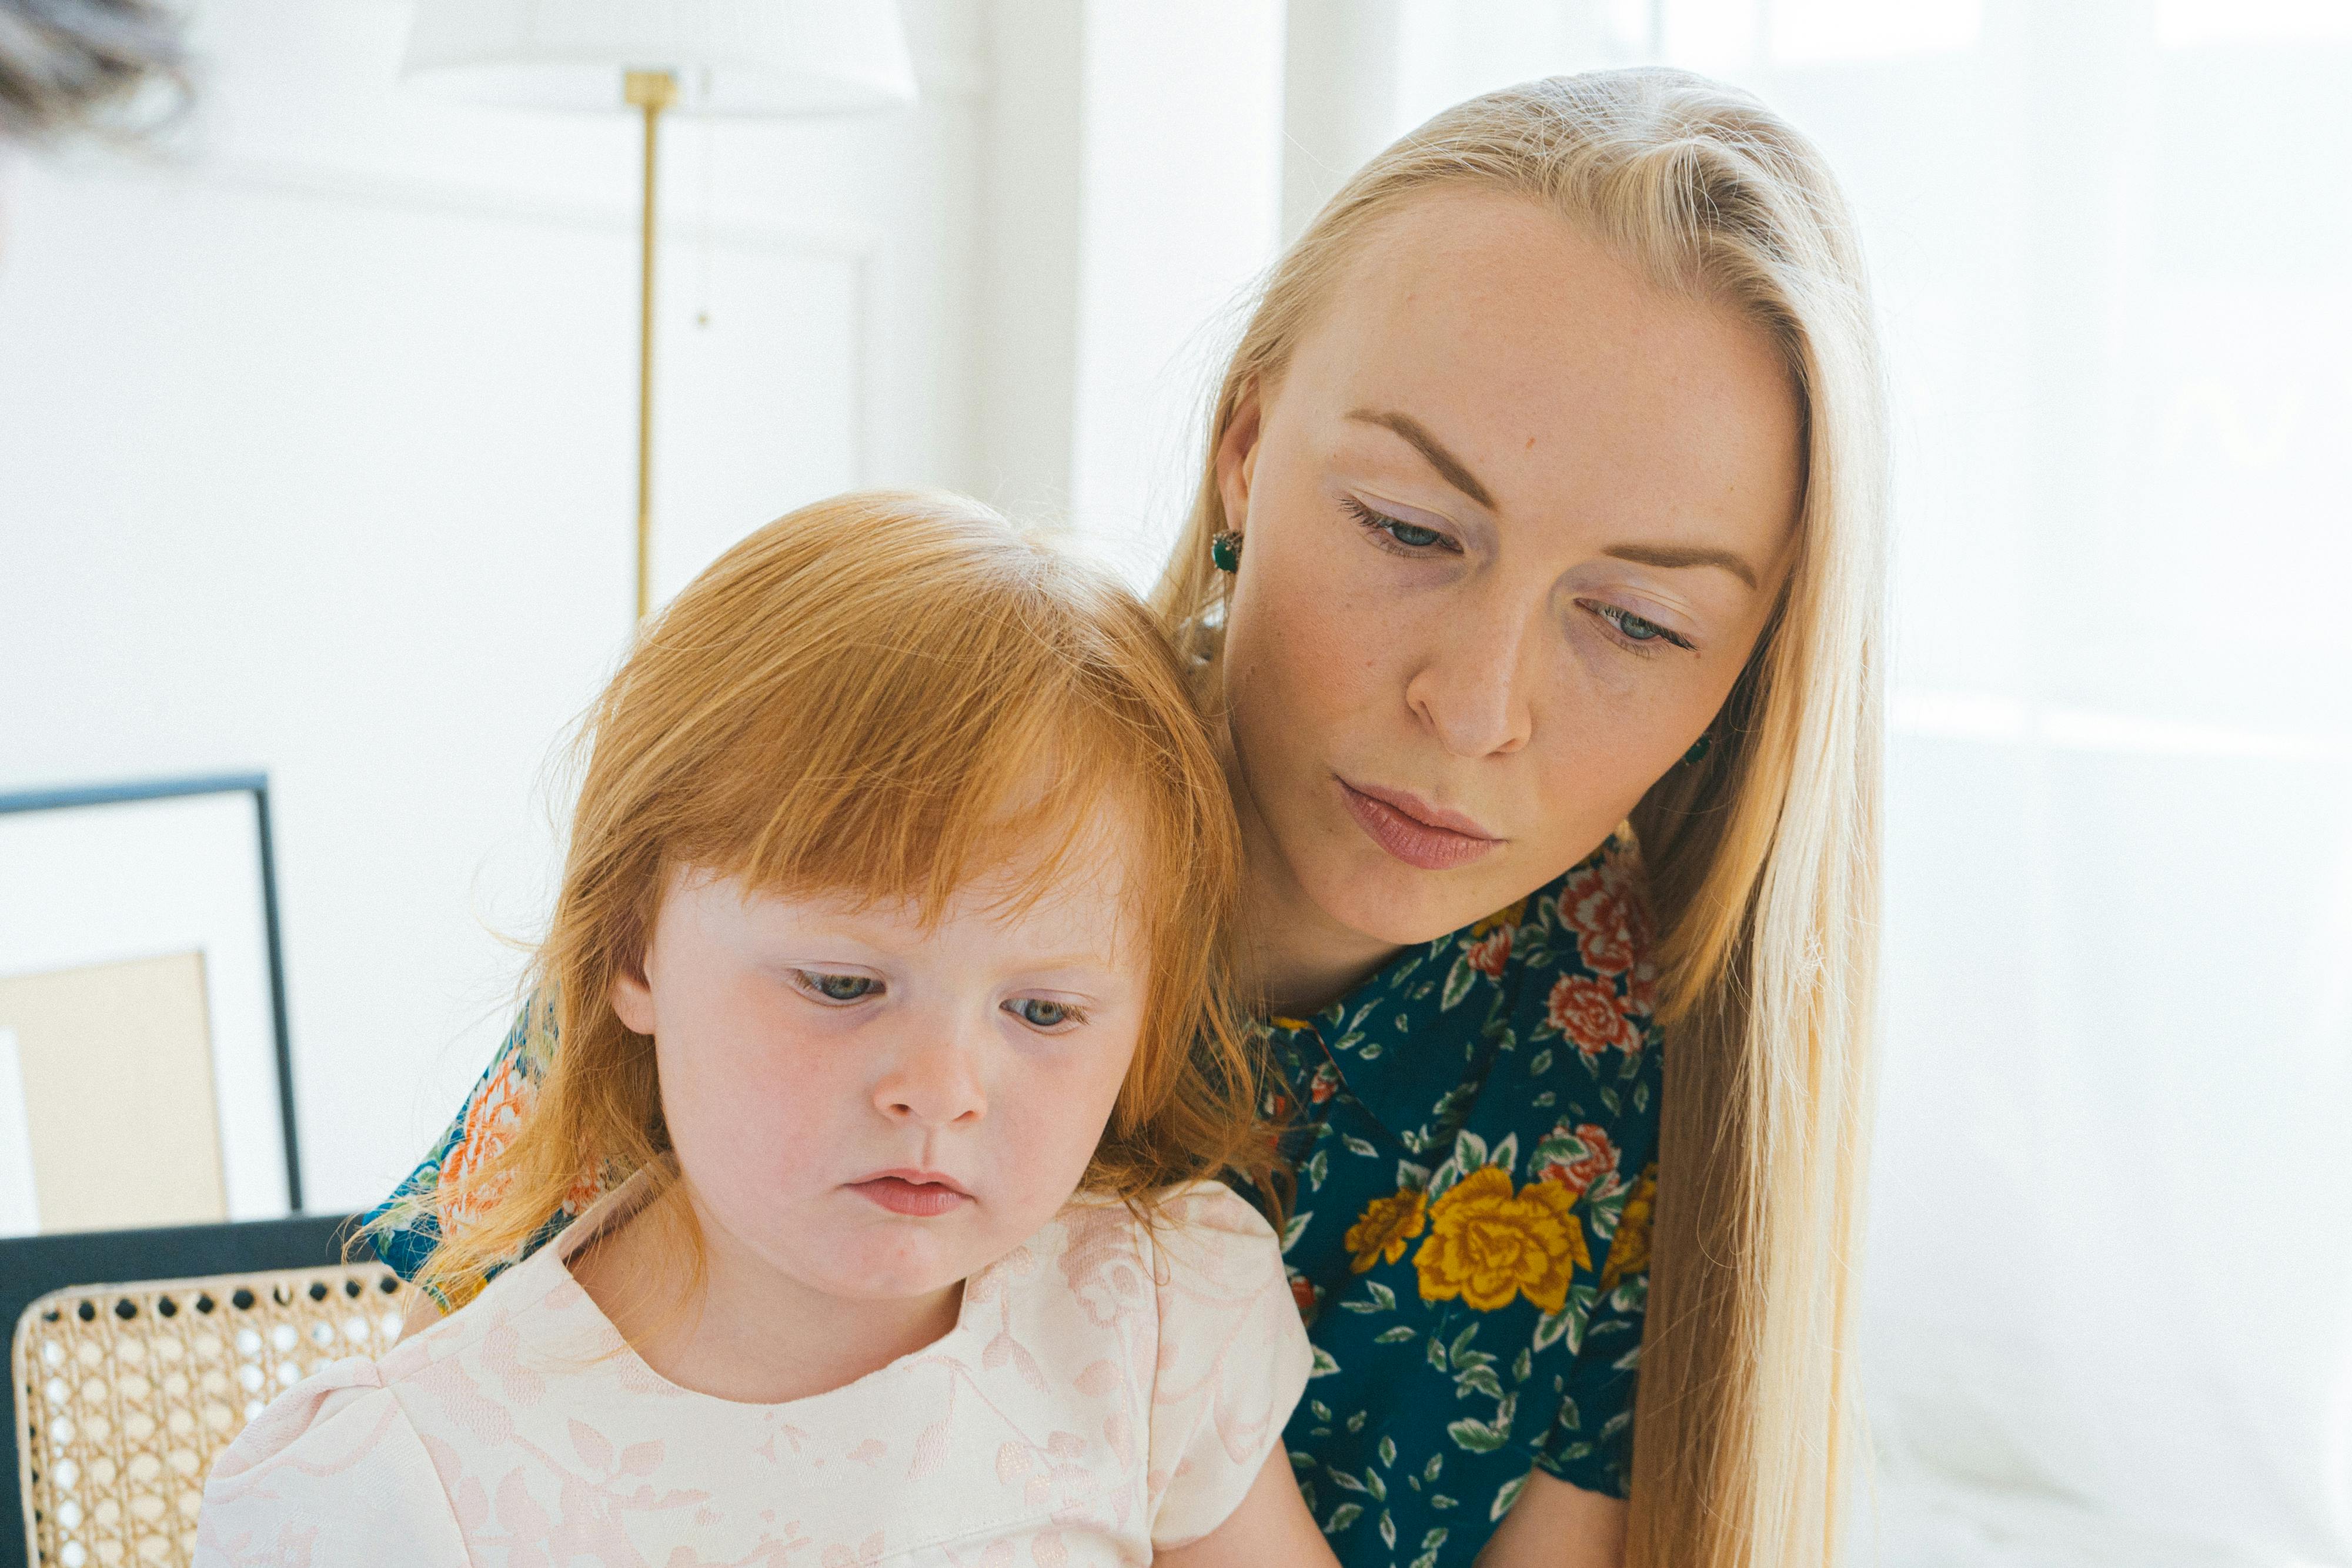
x: 1449, y: 468
x: 1679, y: 555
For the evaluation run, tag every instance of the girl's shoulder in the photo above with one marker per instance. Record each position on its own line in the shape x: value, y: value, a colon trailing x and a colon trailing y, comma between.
x: 1104, y: 1258
x: 1226, y: 1356
x: 334, y: 1471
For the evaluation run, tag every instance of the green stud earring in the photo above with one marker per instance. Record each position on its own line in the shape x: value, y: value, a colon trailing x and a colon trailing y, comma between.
x: 1225, y: 549
x: 1699, y: 749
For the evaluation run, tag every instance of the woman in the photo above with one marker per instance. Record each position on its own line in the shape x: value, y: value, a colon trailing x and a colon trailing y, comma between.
x: 1542, y: 496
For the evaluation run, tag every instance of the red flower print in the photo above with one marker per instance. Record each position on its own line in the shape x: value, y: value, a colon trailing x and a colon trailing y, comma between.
x: 1324, y: 1085
x: 1595, y: 1169
x: 1596, y: 908
x: 1302, y: 1290
x: 1491, y: 952
x: 1586, y: 1010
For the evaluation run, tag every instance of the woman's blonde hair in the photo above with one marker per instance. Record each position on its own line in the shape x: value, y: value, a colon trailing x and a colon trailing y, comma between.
x: 1763, y: 859
x: 884, y: 695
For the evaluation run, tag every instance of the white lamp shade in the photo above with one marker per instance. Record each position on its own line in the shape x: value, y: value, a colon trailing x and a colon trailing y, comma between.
x: 730, y: 57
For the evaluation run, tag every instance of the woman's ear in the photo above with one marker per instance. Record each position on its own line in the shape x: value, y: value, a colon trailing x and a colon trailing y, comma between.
x: 1237, y: 456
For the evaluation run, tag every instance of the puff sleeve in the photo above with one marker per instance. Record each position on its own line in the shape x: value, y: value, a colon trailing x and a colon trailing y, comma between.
x: 331, y: 1473
x: 1233, y: 1360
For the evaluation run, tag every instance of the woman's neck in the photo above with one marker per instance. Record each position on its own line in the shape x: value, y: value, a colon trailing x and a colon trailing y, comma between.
x: 1299, y: 959
x: 753, y: 1334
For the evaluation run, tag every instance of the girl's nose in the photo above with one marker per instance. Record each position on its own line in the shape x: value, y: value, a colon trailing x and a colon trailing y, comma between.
x: 935, y: 1085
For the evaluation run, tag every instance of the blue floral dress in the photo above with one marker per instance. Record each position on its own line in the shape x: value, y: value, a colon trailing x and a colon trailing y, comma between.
x: 1475, y: 1132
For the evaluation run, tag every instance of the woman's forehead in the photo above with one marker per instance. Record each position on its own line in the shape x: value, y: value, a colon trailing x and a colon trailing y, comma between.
x: 1549, y: 367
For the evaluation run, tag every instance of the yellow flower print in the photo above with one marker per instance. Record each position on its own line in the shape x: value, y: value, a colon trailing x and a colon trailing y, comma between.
x: 1506, y: 917
x: 1295, y: 1026
x: 1629, y: 1253
x: 1386, y: 1225
x: 1489, y: 1247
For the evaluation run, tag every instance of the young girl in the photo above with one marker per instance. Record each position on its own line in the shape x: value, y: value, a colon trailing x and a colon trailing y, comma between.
x: 891, y: 951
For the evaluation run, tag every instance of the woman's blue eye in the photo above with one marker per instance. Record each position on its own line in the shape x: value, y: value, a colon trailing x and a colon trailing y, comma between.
x: 1408, y: 534
x: 841, y: 988
x: 1411, y: 537
x: 1635, y: 629
x: 1039, y: 1013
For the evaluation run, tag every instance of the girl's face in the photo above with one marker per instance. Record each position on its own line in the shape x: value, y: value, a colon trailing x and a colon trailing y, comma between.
x: 872, y: 1108
x: 1512, y: 520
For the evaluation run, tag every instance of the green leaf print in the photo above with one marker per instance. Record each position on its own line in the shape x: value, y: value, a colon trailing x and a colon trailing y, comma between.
x: 1387, y: 1450
x: 1381, y: 1299
x: 1376, y: 1487
x: 1475, y: 1435
x: 1324, y: 1365
x: 1388, y: 1529
x: 1357, y: 1146
x: 1429, y: 1473
x: 1505, y: 1155
x: 1550, y: 1327
x: 1539, y: 1063
x: 1508, y: 1495
x: 1296, y: 1227
x: 1460, y: 1348
x: 1317, y: 1170
x: 1458, y: 983
x: 1522, y: 1365
x: 1346, y: 1514
x: 1411, y: 1175
x: 1347, y: 1482
x: 1478, y: 1380
x: 1396, y: 1335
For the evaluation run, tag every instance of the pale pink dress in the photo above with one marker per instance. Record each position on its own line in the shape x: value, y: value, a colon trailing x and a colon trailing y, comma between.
x: 1106, y: 1388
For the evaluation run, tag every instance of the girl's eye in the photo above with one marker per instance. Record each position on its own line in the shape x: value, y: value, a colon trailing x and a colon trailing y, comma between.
x: 1634, y: 630
x: 1403, y: 537
x: 1039, y: 1013
x: 838, y: 987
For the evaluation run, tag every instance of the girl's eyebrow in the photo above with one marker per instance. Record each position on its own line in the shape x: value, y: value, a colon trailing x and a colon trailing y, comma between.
x: 1450, y: 468
x: 1673, y: 555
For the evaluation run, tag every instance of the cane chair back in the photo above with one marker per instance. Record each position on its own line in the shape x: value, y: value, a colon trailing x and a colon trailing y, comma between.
x: 126, y: 1394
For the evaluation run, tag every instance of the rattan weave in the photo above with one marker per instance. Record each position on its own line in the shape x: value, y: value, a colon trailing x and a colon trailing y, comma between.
x: 125, y: 1394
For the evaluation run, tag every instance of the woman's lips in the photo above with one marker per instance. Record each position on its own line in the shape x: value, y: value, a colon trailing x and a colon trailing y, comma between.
x: 918, y: 1197
x: 1420, y: 844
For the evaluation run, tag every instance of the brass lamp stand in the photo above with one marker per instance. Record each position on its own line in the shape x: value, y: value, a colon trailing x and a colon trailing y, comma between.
x: 652, y: 92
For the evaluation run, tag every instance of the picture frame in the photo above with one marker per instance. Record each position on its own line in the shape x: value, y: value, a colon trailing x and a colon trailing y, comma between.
x: 142, y: 1001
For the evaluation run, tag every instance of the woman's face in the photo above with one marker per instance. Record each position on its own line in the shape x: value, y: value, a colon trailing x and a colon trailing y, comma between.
x: 1512, y: 520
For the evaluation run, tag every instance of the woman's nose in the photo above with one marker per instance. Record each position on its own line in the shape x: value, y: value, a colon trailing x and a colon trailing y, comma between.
x: 1474, y: 692
x: 936, y: 1084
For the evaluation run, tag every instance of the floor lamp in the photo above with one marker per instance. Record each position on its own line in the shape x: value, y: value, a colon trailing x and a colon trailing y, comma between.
x: 655, y: 57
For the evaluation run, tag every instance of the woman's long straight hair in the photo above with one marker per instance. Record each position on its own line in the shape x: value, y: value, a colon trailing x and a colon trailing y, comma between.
x: 1763, y: 858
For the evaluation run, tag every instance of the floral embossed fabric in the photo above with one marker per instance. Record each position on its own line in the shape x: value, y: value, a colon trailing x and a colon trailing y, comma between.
x: 1107, y: 1388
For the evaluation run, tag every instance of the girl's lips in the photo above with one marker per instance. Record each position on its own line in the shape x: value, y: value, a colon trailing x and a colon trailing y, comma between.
x: 920, y: 1199
x: 1424, y: 845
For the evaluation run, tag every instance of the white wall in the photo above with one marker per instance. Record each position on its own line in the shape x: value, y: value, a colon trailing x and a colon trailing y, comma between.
x: 316, y: 456
x: 1134, y: 183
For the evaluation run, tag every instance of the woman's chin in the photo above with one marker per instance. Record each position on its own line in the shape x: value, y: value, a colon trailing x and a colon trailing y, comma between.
x: 1400, y: 905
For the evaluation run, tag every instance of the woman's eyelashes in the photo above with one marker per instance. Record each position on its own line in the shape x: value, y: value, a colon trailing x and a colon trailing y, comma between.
x: 1395, y: 535
x: 1636, y: 634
